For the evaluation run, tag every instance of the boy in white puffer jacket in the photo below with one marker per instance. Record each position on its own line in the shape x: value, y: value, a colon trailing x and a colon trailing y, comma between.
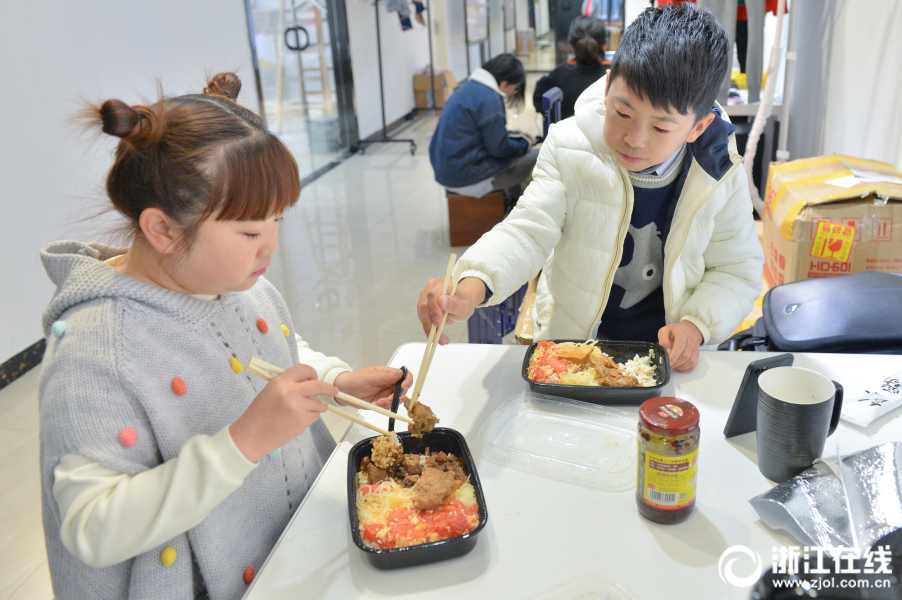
x: 639, y: 215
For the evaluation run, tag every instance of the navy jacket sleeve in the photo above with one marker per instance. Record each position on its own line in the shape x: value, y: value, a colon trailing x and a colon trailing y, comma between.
x: 496, y: 137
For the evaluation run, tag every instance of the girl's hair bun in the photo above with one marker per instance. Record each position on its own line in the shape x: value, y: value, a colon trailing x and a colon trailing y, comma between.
x: 224, y: 84
x: 138, y: 125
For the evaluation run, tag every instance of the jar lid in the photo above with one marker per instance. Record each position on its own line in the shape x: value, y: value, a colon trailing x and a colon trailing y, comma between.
x: 669, y: 416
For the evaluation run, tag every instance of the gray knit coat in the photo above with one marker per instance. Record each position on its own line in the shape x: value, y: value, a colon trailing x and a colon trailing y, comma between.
x: 114, y: 347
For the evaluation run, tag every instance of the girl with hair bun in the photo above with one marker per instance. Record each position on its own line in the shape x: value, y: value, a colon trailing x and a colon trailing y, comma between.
x: 167, y: 470
x: 589, y: 40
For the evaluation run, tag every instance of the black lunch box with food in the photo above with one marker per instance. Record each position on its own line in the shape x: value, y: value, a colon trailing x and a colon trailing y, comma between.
x: 440, y: 439
x: 620, y: 352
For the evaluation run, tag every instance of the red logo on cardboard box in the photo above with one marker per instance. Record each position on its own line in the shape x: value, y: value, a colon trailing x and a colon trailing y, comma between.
x: 856, y: 223
x: 815, y: 222
x: 833, y: 241
x: 882, y: 230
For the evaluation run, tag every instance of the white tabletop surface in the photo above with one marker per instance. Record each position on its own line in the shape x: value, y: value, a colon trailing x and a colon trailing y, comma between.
x: 544, y: 535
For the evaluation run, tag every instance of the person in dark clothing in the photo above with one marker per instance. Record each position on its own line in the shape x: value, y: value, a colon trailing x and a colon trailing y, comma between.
x: 472, y: 152
x: 588, y: 38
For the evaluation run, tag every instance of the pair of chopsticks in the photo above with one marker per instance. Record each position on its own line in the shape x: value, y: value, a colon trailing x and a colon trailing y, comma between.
x: 435, y: 334
x: 264, y: 370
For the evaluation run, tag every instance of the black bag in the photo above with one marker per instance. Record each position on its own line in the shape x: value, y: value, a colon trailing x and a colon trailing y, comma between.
x: 859, y: 313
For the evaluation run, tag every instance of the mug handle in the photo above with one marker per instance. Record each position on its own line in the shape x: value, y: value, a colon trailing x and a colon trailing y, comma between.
x: 837, y: 408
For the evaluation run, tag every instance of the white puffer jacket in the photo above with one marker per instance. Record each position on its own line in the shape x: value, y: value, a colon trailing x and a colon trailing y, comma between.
x: 572, y: 220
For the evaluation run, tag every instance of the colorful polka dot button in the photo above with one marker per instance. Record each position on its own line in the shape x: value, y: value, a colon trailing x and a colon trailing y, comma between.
x: 58, y: 328
x: 167, y: 557
x: 285, y: 331
x: 179, y: 387
x: 236, y: 365
x: 262, y: 326
x: 128, y: 437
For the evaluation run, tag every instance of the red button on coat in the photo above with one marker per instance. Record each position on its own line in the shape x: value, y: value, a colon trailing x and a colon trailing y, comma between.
x: 262, y: 326
x: 249, y: 575
x: 128, y: 437
x: 179, y: 387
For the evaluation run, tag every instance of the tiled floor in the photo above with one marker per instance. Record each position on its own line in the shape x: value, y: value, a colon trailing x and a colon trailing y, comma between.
x: 353, y: 256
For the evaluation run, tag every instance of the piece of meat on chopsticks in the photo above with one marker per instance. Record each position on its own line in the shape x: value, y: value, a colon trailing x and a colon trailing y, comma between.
x: 423, y: 418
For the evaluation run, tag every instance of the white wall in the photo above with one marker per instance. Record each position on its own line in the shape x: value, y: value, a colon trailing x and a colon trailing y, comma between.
x: 54, y: 55
x: 543, y: 18
x: 847, y: 90
x: 496, y: 28
x: 403, y: 54
x: 456, y: 39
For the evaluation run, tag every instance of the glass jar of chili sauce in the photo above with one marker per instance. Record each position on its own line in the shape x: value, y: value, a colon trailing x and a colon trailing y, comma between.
x: 668, y: 459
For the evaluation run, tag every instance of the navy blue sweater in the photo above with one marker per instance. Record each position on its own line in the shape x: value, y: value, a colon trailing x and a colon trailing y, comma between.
x: 635, y: 309
x: 471, y: 142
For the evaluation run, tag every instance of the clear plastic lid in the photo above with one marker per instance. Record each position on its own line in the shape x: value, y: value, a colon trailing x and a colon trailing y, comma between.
x: 567, y: 440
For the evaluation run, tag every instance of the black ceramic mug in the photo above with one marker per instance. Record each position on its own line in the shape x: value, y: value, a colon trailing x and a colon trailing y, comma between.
x: 797, y: 410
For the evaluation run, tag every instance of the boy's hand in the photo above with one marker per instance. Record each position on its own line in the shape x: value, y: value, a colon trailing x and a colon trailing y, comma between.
x: 373, y: 384
x: 285, y: 408
x: 460, y: 307
x: 682, y: 341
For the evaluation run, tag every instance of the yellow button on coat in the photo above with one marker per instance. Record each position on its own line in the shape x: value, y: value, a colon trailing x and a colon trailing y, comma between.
x: 167, y: 557
x: 236, y: 365
x: 285, y: 331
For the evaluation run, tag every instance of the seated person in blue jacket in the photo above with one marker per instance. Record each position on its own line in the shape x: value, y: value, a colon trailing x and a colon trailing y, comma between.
x: 472, y: 152
x: 589, y: 40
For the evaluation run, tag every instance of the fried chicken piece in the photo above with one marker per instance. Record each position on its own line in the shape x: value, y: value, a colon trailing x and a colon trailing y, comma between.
x: 374, y: 474
x: 423, y: 418
x: 411, y: 463
x: 387, y: 451
x: 575, y: 354
x: 610, y: 374
x: 432, y: 488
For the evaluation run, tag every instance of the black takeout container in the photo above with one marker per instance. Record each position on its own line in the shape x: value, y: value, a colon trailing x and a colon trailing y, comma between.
x: 440, y: 439
x: 621, y: 352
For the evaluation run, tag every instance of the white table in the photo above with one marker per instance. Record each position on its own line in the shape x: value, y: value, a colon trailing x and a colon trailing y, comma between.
x: 542, y: 534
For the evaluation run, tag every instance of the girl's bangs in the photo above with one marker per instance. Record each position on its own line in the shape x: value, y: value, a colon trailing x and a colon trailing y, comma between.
x: 258, y: 179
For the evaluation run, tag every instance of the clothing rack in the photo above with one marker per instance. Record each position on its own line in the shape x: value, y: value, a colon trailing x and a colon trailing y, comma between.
x: 385, y: 138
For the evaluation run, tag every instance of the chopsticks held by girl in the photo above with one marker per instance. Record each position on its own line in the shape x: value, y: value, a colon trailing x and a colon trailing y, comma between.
x: 167, y: 470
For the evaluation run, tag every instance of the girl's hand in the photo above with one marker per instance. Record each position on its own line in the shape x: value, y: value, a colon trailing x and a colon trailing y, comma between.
x: 373, y: 384
x: 682, y: 341
x: 285, y: 408
x: 471, y: 292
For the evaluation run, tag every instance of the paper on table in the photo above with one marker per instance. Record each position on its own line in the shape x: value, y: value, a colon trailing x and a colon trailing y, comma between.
x: 874, y: 401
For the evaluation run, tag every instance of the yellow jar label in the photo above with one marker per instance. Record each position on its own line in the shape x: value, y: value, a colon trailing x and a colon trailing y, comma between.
x: 670, y: 480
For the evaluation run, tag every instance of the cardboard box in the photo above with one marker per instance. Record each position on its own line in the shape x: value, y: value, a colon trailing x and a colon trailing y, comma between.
x: 526, y: 40
x: 423, y: 98
x: 831, y: 215
x: 422, y: 88
x: 613, y: 38
x: 443, y: 81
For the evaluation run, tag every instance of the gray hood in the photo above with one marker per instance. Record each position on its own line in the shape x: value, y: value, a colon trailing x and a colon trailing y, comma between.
x: 80, y: 274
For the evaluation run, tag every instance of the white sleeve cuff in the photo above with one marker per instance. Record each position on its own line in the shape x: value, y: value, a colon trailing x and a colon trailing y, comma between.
x: 706, y: 333
x: 488, y: 284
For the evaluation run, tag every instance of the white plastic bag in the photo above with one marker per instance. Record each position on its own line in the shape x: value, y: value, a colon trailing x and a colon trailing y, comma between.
x: 877, y: 400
